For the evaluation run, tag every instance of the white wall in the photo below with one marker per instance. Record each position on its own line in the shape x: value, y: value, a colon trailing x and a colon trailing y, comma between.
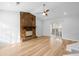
x: 46, y: 27
x: 70, y: 26
x: 9, y: 26
x: 39, y: 24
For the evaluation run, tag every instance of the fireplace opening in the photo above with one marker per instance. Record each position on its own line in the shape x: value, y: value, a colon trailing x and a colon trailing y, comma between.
x: 28, y: 33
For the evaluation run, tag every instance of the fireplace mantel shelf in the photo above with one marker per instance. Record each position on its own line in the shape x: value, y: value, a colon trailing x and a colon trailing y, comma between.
x: 29, y: 26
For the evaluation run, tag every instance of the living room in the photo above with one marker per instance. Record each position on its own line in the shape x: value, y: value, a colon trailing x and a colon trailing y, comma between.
x: 52, y: 20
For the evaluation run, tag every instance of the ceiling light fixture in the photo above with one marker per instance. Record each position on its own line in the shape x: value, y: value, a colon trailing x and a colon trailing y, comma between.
x: 17, y: 3
x: 65, y: 13
x: 45, y: 11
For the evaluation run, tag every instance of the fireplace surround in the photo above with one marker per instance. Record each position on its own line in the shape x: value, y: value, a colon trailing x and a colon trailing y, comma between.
x: 27, y: 26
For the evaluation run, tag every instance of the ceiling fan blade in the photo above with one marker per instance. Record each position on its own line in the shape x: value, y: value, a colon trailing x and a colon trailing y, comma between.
x: 46, y: 14
x: 47, y: 10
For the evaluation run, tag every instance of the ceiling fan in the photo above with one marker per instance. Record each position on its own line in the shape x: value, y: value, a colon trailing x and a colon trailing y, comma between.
x: 45, y: 11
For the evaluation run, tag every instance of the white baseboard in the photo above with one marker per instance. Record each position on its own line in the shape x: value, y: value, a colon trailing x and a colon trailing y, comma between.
x: 70, y: 39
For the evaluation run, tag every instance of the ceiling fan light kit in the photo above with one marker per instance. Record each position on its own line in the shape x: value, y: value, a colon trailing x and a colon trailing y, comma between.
x: 45, y: 14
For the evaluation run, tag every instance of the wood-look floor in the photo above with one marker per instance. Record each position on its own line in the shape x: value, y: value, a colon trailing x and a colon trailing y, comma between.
x: 35, y: 47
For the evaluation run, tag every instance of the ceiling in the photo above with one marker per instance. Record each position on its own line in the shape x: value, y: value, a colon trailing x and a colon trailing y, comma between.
x: 57, y: 9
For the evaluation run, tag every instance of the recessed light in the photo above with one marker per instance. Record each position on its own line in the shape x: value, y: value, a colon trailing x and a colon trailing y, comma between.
x: 65, y: 13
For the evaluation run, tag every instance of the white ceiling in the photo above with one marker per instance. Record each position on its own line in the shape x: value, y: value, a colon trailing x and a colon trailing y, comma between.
x: 57, y: 9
